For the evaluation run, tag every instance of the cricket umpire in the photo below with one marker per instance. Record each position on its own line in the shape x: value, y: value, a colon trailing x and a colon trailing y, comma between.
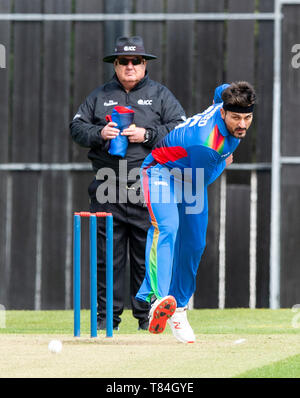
x: 156, y: 113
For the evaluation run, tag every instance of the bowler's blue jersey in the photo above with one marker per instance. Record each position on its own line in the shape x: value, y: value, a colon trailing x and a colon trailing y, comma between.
x: 202, y: 141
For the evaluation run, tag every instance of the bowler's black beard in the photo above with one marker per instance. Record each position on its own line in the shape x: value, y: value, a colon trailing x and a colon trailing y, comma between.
x: 240, y: 138
x: 232, y: 133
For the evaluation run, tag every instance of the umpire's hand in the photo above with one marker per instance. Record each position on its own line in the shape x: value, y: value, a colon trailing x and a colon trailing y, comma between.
x: 109, y: 131
x: 135, y: 134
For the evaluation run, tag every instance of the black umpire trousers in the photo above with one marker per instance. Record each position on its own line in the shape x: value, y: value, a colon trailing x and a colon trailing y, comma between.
x: 130, y: 226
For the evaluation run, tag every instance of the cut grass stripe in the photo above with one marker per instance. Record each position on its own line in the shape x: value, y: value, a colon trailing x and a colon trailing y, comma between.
x: 286, y: 368
x: 206, y: 321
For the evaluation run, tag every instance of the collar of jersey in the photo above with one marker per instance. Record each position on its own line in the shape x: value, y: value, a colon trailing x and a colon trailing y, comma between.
x: 221, y: 124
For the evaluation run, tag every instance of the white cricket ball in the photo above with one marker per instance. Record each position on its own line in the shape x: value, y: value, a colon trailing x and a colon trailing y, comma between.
x: 55, y: 346
x: 239, y: 341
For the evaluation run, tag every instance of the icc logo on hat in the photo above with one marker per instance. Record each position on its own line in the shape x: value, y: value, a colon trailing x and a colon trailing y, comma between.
x: 129, y: 48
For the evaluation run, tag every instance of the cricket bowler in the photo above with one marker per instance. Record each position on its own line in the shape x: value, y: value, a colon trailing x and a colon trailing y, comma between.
x: 175, y: 177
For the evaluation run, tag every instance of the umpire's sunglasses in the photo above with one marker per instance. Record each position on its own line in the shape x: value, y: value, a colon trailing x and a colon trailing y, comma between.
x: 125, y: 61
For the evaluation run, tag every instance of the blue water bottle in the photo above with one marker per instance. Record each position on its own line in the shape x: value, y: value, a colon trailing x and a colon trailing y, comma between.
x: 123, y: 116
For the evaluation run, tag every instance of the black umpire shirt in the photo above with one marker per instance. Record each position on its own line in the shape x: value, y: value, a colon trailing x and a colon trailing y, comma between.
x: 156, y: 109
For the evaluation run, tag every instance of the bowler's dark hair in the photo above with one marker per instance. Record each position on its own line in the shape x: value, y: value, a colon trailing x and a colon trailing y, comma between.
x: 239, y: 93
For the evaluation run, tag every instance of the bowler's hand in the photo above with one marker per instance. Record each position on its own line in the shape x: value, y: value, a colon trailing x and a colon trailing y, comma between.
x: 135, y: 134
x: 109, y: 131
x: 229, y: 160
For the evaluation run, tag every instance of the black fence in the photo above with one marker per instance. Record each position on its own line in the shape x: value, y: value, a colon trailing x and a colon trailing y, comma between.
x: 51, y: 66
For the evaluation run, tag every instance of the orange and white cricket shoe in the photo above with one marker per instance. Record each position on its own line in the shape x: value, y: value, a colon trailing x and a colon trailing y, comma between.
x: 180, y: 326
x: 160, y: 312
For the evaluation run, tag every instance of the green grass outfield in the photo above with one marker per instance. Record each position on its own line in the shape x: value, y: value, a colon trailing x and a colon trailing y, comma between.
x: 231, y: 343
